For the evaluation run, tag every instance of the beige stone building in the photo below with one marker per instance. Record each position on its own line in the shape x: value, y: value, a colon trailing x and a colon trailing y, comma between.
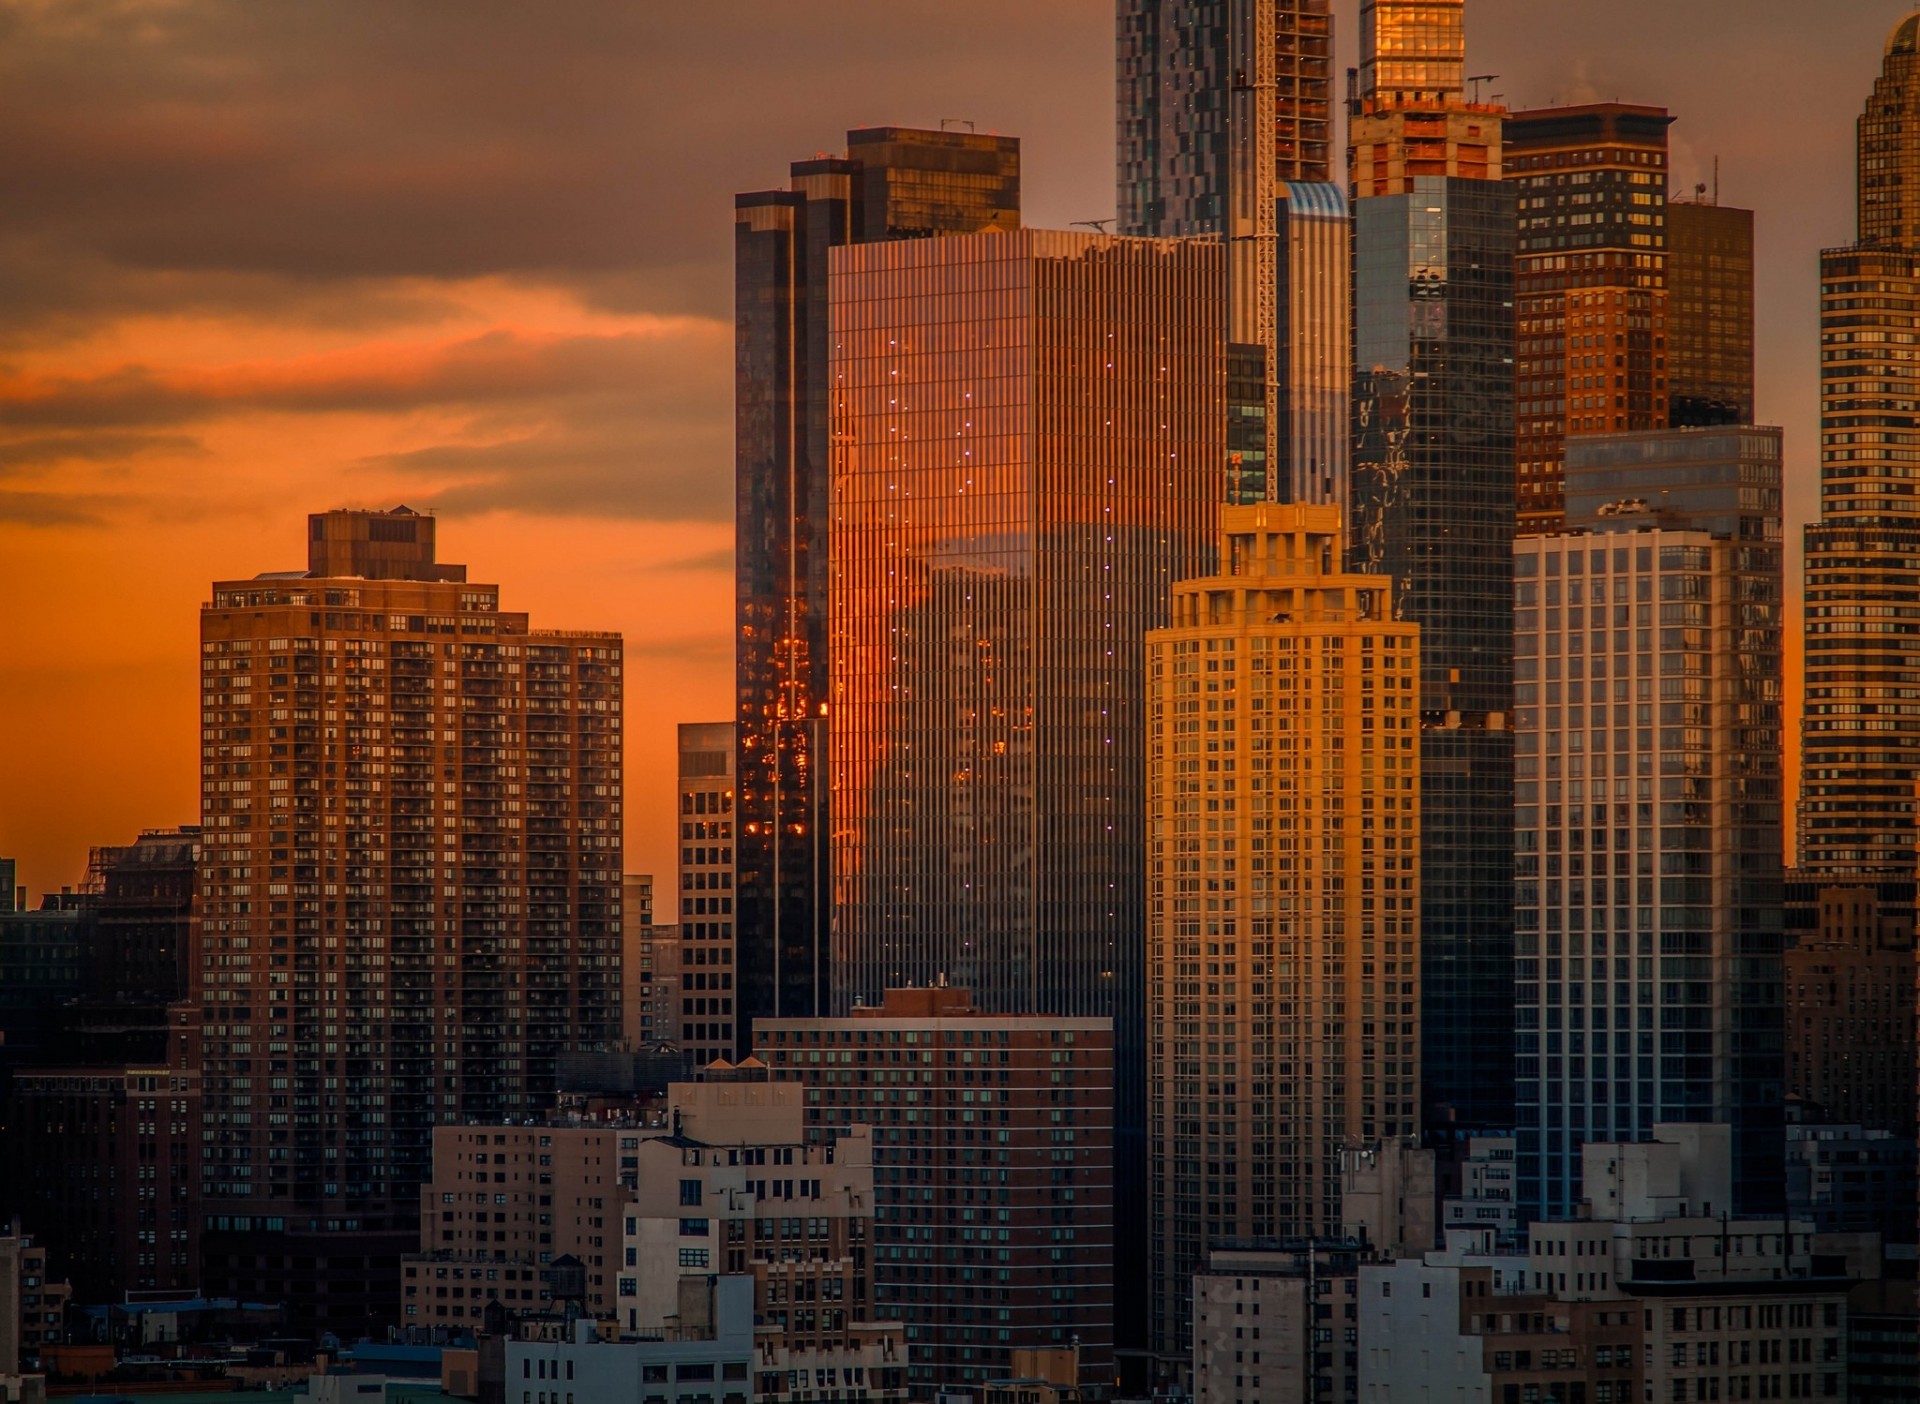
x: 1283, y: 891
x: 504, y: 1204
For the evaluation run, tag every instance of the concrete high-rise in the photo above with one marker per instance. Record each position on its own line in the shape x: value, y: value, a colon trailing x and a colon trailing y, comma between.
x: 1283, y: 892
x: 1648, y: 902
x: 1860, y: 736
x: 892, y: 183
x: 1225, y: 128
x: 993, y: 1172
x: 707, y: 831
x: 1590, y: 285
x: 1433, y: 507
x: 409, y: 902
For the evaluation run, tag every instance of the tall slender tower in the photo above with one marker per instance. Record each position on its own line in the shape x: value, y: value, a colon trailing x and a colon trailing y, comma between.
x: 1283, y: 820
x: 892, y: 183
x: 1225, y: 128
x: 1860, y: 744
x: 409, y: 901
x: 1433, y: 506
x: 1590, y: 285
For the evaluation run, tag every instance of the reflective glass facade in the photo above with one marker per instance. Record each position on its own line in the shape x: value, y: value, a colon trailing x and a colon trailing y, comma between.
x: 1282, y: 893
x: 1032, y: 438
x: 1590, y: 286
x: 1709, y: 313
x: 893, y: 183
x: 1413, y: 50
x: 1224, y: 129
x: 1648, y: 910
x: 1433, y: 507
x: 1860, y: 741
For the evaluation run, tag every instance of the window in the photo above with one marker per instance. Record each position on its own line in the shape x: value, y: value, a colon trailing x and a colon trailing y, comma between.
x: 693, y: 1257
x: 693, y: 1228
x: 690, y: 1192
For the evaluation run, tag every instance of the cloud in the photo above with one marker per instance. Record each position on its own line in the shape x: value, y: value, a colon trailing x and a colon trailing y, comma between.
x: 49, y: 509
x: 52, y: 450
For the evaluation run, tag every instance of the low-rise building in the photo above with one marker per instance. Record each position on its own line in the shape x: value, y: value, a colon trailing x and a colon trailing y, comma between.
x: 1655, y: 1293
x: 1486, y: 1199
x: 504, y: 1204
x: 1849, y: 1179
x: 705, y: 1358
x: 1277, y: 1321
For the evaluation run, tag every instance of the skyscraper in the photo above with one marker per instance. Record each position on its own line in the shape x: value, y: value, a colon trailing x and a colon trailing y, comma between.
x: 1860, y: 743
x: 707, y: 830
x: 892, y: 183
x: 409, y: 900
x: 1648, y: 917
x: 1283, y: 893
x: 1032, y: 441
x: 1433, y: 507
x: 1709, y: 312
x: 1590, y: 285
x: 1225, y: 125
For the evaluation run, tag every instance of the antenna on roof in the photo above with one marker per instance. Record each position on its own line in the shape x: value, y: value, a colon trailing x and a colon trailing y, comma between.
x: 1477, y: 79
x: 966, y: 122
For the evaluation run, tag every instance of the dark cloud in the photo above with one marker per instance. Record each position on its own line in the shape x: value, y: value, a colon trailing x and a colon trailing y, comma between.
x: 52, y: 450
x: 50, y: 509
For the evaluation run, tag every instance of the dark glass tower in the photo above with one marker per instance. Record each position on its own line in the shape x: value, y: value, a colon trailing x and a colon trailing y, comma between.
x: 1433, y: 506
x: 1225, y: 129
x: 892, y: 183
x: 1860, y: 744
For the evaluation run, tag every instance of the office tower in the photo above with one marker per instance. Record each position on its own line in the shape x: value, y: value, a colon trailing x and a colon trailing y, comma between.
x: 892, y: 183
x: 1433, y: 507
x: 1590, y: 285
x: 1033, y: 437
x: 1709, y: 312
x: 707, y: 834
x: 993, y: 1155
x: 1282, y: 896
x: 1859, y: 744
x: 1850, y: 1009
x: 1225, y: 125
x: 409, y: 901
x: 649, y: 968
x: 1648, y: 811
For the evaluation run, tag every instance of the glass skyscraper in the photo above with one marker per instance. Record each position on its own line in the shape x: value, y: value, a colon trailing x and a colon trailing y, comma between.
x: 1433, y: 507
x: 1649, y: 924
x: 1860, y: 738
x: 892, y: 183
x: 1225, y: 130
x: 1031, y: 445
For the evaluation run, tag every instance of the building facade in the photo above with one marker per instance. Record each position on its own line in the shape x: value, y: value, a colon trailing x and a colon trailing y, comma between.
x: 1709, y: 312
x: 1433, y: 507
x: 892, y: 183
x: 708, y: 836
x: 1277, y: 1321
x: 114, y: 1174
x: 505, y: 1203
x: 1850, y: 1029
x: 1859, y: 743
x: 1225, y: 129
x: 1590, y: 285
x: 1648, y: 809
x: 409, y: 902
x: 993, y: 1156
x: 649, y: 969
x: 1283, y: 823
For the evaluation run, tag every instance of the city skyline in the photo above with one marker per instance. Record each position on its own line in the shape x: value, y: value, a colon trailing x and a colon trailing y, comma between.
x: 492, y: 371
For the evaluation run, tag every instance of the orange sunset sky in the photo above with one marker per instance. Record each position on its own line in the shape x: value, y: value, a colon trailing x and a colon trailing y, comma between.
x: 258, y: 260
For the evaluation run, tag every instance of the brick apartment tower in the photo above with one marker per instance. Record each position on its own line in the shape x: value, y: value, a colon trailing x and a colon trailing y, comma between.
x: 409, y: 897
x: 993, y: 1174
